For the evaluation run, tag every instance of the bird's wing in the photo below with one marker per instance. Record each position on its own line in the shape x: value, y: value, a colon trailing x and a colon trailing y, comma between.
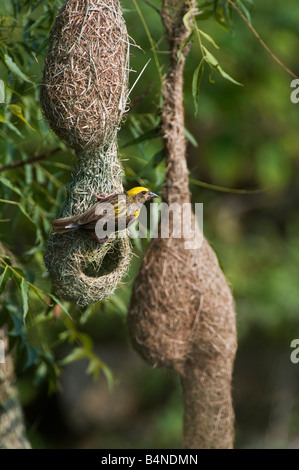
x: 112, y: 205
x: 92, y: 215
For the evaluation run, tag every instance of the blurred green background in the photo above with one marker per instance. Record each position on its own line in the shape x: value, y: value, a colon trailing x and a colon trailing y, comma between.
x: 242, y: 137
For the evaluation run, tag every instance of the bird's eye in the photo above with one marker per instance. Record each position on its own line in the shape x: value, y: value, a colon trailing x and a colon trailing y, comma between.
x: 143, y: 192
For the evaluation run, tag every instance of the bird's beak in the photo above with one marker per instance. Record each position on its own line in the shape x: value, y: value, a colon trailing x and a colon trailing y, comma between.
x: 152, y: 195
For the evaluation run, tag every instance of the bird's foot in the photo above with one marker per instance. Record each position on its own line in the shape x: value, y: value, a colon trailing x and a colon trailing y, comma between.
x: 103, y: 196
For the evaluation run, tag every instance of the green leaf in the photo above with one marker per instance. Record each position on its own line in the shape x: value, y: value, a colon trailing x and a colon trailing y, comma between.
x: 86, y: 342
x: 244, y: 11
x: 38, y: 22
x: 10, y: 126
x: 213, y: 62
x: 109, y: 376
x: 153, y: 163
x: 227, y: 77
x: 22, y: 209
x: 186, y: 19
x: 17, y: 329
x: 94, y: 367
x: 196, y: 80
x: 209, y: 58
x: 5, y: 276
x: 17, y: 111
x: 118, y: 301
x: 190, y: 137
x: 61, y: 305
x: 24, y: 293
x: 18, y: 271
x: 208, y: 38
x: 9, y: 184
x: 14, y: 68
x: 151, y: 134
x: 75, y: 355
x: 219, y: 17
x: 31, y: 356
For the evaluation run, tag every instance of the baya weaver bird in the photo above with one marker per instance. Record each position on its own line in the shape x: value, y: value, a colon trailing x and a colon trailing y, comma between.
x: 117, y: 209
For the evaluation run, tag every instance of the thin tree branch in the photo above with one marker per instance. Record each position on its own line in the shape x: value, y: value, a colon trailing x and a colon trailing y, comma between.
x: 256, y: 34
x: 141, y: 97
x: 19, y: 163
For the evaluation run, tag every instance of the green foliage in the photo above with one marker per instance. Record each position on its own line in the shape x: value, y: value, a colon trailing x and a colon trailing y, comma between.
x: 190, y: 21
x: 30, y: 198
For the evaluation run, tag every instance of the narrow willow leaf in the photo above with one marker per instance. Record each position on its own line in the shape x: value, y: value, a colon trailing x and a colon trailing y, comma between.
x: 209, y: 58
x: 12, y: 90
x: 22, y: 209
x: 37, y: 23
x: 61, y: 305
x: 227, y: 76
x: 31, y: 357
x: 14, y: 68
x: 244, y: 11
x: 5, y: 276
x: 186, y: 19
x: 75, y: 355
x: 211, y: 80
x: 109, y: 376
x: 197, y: 76
x: 94, y: 367
x: 153, y: 163
x: 11, y: 126
x: 86, y: 341
x: 9, y: 185
x: 118, y: 301
x: 221, y: 20
x: 24, y: 293
x: 151, y: 134
x: 190, y: 137
x: 17, y: 111
x: 213, y: 62
x: 208, y: 38
x: 19, y: 272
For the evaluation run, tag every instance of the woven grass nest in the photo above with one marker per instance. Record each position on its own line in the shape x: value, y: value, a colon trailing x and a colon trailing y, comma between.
x: 182, y: 317
x: 167, y: 318
x: 83, y: 97
x: 84, y: 90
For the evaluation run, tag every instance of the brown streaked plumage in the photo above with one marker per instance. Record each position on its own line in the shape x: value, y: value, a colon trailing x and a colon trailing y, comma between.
x: 123, y: 207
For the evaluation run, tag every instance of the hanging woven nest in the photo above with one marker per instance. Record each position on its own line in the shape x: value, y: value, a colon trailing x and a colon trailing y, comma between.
x: 84, y: 90
x: 83, y: 96
x: 166, y: 318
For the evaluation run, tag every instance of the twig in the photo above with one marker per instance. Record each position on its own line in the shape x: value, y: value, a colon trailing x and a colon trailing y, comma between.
x: 19, y: 163
x: 141, y: 97
x: 256, y: 34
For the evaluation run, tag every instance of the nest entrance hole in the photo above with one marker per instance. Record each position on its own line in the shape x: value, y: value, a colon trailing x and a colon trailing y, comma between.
x: 109, y: 263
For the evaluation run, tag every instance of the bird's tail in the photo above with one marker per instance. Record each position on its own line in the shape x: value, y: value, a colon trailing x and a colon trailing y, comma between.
x: 65, y: 225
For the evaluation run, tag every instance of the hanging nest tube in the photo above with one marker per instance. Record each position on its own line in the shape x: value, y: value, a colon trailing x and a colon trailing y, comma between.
x: 83, y: 97
x: 182, y: 313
